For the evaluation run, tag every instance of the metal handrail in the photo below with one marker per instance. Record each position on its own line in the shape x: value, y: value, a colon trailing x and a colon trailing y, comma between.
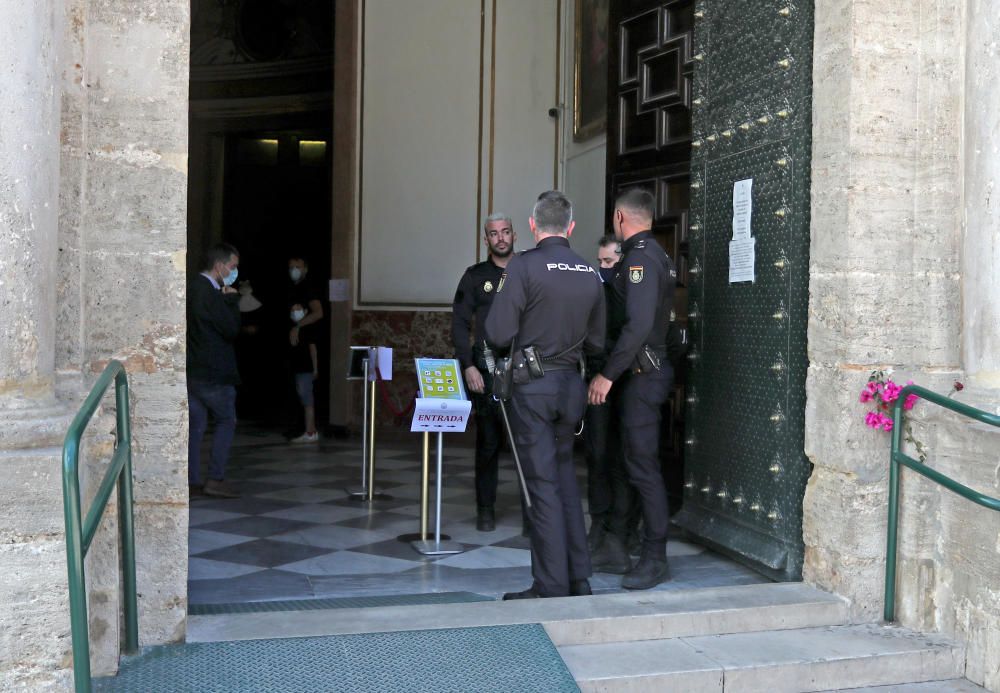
x: 897, y: 457
x: 80, y: 535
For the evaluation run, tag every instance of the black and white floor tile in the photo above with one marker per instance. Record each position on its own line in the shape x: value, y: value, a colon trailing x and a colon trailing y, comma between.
x: 295, y: 533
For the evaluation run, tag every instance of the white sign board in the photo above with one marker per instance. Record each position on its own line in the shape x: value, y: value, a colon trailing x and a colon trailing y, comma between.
x: 741, y: 260
x: 444, y: 415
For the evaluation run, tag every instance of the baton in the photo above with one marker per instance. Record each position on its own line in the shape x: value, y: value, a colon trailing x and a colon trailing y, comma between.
x: 490, y: 366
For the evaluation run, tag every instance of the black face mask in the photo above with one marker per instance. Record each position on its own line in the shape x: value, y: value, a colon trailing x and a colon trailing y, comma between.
x: 607, y: 274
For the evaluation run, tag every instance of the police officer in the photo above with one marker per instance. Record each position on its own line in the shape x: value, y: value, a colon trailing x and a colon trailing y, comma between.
x: 611, y: 500
x: 472, y: 302
x: 550, y: 303
x: 638, y: 370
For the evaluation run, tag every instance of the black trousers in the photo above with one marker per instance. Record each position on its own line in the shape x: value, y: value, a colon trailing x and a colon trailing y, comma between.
x: 544, y: 416
x: 638, y: 403
x: 489, y: 434
x: 611, y: 499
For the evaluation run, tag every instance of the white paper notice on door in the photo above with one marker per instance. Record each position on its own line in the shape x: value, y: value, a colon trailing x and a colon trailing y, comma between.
x: 742, y: 208
x: 741, y: 260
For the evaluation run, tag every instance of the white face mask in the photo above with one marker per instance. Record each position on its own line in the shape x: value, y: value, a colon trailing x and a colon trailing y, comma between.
x: 298, y: 315
x: 295, y: 273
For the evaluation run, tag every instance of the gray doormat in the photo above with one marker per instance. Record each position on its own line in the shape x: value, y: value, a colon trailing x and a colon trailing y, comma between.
x: 336, y: 603
x: 497, y: 658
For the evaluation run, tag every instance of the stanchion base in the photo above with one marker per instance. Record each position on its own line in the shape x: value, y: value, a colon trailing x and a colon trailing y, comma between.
x: 415, y: 536
x: 429, y: 547
x: 361, y: 494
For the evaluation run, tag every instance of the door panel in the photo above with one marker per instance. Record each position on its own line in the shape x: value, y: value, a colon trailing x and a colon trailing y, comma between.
x: 746, y: 469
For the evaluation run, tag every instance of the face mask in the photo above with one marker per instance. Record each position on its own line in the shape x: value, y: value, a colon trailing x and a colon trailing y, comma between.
x: 295, y: 273
x: 298, y: 315
x: 607, y: 274
x: 231, y: 277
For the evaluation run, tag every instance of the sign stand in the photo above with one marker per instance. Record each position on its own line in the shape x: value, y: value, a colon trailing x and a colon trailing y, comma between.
x: 441, y: 407
x: 366, y: 492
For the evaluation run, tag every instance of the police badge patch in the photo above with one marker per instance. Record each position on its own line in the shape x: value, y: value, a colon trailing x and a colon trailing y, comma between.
x: 488, y: 286
x: 503, y: 278
x: 635, y: 273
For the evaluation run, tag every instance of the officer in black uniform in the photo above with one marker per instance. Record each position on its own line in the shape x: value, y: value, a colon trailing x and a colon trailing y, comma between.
x: 550, y: 303
x: 472, y: 302
x: 643, y: 291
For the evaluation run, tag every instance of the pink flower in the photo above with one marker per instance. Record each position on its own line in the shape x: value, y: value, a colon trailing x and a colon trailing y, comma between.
x: 909, y: 402
x: 887, y: 423
x: 866, y: 396
x: 958, y: 386
x: 873, y: 419
x: 891, y: 392
x: 873, y: 386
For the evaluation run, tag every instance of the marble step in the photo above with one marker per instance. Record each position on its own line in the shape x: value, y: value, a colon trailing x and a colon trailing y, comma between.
x: 807, y: 659
x: 600, y: 618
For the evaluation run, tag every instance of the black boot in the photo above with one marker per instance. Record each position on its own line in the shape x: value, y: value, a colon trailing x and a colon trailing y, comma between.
x: 529, y: 593
x: 485, y: 519
x: 611, y: 556
x: 596, y: 533
x: 579, y: 588
x: 649, y: 572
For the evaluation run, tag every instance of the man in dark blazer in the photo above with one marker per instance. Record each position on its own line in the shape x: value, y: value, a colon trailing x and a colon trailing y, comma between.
x: 213, y: 323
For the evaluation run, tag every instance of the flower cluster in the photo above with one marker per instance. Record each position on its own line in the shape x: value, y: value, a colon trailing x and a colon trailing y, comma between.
x: 882, y: 391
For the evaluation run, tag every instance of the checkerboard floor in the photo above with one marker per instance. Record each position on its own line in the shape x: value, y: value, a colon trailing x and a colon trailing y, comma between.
x: 295, y: 533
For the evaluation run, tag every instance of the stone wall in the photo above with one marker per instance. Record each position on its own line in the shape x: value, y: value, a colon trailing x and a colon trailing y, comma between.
x: 100, y: 127
x: 889, y: 281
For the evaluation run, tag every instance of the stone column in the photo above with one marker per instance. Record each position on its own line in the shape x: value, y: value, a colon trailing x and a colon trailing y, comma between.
x: 29, y: 190
x: 981, y: 242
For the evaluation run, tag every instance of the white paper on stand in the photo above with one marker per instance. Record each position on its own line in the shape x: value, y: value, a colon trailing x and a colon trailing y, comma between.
x: 383, y: 359
x: 742, y: 208
x: 742, y: 256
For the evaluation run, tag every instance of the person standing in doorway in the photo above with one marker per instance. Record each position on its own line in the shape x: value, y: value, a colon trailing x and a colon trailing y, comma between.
x: 305, y: 310
x: 638, y: 369
x: 213, y: 324
x: 550, y: 307
x: 611, y: 500
x: 473, y: 299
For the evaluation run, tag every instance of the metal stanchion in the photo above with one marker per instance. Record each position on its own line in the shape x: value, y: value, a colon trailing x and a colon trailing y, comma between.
x: 425, y: 486
x: 438, y: 546
x: 367, y: 490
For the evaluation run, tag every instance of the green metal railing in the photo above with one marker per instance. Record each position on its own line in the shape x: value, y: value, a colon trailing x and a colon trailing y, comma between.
x: 80, y: 535
x: 897, y: 457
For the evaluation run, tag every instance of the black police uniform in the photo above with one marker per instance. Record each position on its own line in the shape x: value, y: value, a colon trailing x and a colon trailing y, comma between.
x: 472, y: 302
x: 550, y: 298
x: 611, y: 500
x: 642, y: 294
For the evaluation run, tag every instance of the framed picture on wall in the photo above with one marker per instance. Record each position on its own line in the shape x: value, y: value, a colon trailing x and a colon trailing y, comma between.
x: 590, y: 69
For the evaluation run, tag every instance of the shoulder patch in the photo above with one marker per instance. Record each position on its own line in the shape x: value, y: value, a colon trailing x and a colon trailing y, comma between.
x: 635, y: 273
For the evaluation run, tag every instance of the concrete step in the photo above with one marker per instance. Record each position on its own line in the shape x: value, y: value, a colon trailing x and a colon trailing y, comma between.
x: 600, y: 618
x: 950, y: 686
x: 807, y: 659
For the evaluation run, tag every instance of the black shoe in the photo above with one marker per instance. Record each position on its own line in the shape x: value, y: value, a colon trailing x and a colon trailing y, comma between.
x: 648, y: 572
x: 596, y: 533
x: 485, y: 519
x: 579, y: 588
x: 611, y: 556
x: 529, y: 593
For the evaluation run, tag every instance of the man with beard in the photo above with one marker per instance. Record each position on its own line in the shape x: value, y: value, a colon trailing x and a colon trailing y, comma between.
x: 472, y: 302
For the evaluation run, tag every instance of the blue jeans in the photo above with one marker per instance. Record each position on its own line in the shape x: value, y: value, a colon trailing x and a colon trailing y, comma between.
x: 220, y: 401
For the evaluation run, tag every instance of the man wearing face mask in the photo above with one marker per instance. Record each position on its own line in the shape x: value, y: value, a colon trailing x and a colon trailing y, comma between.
x: 213, y: 323
x: 304, y: 310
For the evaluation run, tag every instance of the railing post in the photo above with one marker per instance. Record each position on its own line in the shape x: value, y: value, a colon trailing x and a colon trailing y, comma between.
x: 893, y: 528
x: 75, y: 568
x: 126, y: 523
